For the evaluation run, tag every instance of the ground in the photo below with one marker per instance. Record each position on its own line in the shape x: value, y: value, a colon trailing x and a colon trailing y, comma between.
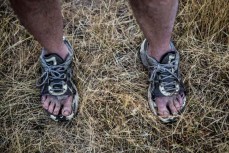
x: 114, y: 115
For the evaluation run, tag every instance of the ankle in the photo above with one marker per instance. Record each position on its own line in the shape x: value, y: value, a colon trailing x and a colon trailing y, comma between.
x: 62, y: 51
x: 157, y: 53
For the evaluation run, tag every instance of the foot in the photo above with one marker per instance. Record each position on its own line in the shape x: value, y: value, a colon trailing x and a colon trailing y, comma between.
x: 169, y: 106
x: 59, y: 94
x: 166, y: 91
x: 55, y: 106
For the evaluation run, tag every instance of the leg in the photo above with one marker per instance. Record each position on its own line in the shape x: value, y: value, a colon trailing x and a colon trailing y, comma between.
x: 42, y: 18
x: 156, y: 19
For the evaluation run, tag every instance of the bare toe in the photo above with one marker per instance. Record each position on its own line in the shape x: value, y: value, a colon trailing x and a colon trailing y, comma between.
x: 56, y: 109
x: 43, y: 99
x: 172, y: 107
x: 51, y: 107
x: 180, y: 99
x: 67, y: 106
x: 177, y: 104
x: 162, y: 108
x: 45, y: 102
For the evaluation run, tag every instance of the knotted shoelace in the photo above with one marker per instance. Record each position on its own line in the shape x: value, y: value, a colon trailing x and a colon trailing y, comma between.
x: 53, y: 72
x: 167, y: 71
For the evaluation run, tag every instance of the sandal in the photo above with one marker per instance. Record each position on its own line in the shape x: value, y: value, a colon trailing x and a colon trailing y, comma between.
x: 56, y: 80
x: 164, y: 78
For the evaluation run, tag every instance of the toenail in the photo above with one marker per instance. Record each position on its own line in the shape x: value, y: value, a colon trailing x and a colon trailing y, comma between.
x: 66, y: 113
x: 175, y: 113
x: 178, y: 108
x: 46, y: 107
x: 165, y: 114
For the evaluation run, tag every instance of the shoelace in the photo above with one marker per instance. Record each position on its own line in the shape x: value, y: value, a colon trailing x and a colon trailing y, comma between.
x: 53, y: 73
x: 166, y: 73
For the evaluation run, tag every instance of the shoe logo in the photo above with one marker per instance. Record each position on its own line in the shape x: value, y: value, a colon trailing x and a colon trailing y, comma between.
x: 165, y: 93
x: 52, y: 59
x: 52, y: 91
x: 171, y: 57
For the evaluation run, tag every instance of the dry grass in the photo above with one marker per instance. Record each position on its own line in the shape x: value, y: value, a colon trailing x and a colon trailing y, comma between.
x: 114, y: 115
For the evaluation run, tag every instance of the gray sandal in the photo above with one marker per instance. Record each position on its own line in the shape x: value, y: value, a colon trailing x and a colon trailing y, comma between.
x: 164, y: 78
x: 56, y: 80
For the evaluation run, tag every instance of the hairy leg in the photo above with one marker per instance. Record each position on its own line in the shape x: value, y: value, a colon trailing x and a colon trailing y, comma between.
x: 156, y: 19
x: 43, y: 19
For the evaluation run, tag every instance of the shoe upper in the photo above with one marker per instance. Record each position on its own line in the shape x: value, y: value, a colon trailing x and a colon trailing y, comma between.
x: 164, y: 75
x: 56, y: 78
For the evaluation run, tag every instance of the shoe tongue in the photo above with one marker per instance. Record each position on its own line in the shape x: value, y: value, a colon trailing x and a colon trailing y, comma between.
x: 53, y: 59
x: 168, y: 57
